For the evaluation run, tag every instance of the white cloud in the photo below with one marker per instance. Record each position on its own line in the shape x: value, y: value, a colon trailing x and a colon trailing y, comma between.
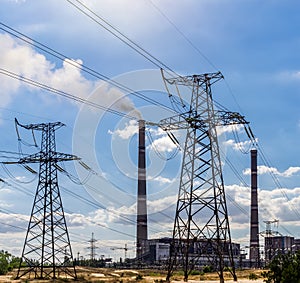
x: 229, y: 129
x: 262, y: 169
x: 161, y: 141
x: 13, y: 222
x: 242, y: 146
x: 76, y: 219
x: 23, y: 60
x: 288, y: 76
x: 279, y: 204
x: 291, y: 171
x: 130, y: 129
x: 127, y: 214
x: 162, y: 203
x: 163, y: 144
x: 161, y: 180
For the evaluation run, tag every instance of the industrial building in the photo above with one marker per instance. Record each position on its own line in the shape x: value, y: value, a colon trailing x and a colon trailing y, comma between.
x: 276, y: 245
x: 159, y: 251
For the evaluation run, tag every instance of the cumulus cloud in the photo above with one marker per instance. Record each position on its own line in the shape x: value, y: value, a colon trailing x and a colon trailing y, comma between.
x: 229, y: 129
x: 291, y: 171
x: 13, y: 223
x: 22, y: 60
x: 279, y: 203
x: 262, y: 169
x: 161, y: 142
x: 130, y: 129
x: 76, y: 220
x: 126, y: 214
x: 242, y: 146
x: 162, y: 180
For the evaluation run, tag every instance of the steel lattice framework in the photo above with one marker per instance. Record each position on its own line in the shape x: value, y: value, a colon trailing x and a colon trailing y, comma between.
x: 47, y: 251
x: 201, y: 226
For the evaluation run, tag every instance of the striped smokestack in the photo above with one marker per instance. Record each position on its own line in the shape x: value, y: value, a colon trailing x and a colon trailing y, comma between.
x: 254, y: 233
x: 141, y: 229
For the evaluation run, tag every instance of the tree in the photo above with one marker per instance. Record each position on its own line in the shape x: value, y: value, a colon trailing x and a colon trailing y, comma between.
x: 284, y: 268
x: 4, y: 262
x: 7, y: 262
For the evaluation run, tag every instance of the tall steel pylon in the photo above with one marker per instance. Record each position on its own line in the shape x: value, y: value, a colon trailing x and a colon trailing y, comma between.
x: 201, y: 227
x: 47, y: 251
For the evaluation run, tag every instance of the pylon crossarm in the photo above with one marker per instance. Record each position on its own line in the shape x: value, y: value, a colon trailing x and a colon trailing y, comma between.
x: 41, y: 126
x: 65, y: 157
x: 44, y: 157
x: 189, y: 81
x: 226, y: 118
x: 191, y: 119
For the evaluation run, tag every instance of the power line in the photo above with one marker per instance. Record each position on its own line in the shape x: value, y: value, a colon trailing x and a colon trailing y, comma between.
x: 74, y: 63
x: 101, y: 206
x: 186, y: 38
x: 118, y: 34
x: 277, y: 183
x: 191, y: 43
x: 63, y: 93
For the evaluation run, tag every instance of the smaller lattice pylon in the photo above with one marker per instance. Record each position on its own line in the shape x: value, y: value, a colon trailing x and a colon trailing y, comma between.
x: 47, y: 250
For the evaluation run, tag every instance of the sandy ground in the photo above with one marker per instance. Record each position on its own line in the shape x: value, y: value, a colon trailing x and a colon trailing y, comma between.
x: 218, y: 281
x: 96, y: 275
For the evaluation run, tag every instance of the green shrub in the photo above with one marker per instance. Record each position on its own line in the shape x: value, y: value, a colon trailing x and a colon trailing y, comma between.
x: 195, y: 272
x: 207, y: 269
x: 253, y: 276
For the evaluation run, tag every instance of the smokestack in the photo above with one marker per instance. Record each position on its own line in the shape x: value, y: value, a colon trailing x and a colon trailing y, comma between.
x: 254, y: 236
x: 141, y: 229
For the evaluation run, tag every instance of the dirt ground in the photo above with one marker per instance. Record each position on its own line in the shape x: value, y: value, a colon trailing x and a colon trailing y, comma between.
x: 105, y: 275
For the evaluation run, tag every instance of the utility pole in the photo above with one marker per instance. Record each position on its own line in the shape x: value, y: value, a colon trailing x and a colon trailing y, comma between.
x: 268, y: 234
x: 201, y: 226
x: 125, y: 251
x: 92, y: 242
x: 47, y: 251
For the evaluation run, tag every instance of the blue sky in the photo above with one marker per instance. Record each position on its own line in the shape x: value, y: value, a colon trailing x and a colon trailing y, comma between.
x: 254, y: 44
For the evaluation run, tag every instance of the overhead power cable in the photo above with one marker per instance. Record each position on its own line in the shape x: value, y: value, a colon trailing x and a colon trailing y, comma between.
x: 125, y: 39
x: 84, y: 9
x: 13, y: 226
x: 186, y: 38
x: 74, y: 63
x: 158, y: 153
x: 101, y: 206
x: 63, y: 93
x: 277, y: 182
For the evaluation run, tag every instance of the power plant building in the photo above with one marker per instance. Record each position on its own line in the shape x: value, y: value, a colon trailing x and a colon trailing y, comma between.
x: 276, y: 245
x: 159, y: 251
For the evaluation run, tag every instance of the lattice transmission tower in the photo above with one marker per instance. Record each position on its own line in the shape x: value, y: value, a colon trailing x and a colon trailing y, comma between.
x: 201, y: 233
x: 47, y: 251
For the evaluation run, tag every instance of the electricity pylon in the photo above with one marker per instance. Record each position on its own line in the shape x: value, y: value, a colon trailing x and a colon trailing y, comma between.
x: 201, y: 226
x: 47, y: 251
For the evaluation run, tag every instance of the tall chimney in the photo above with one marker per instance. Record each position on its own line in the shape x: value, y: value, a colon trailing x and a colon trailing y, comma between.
x: 141, y: 229
x: 254, y: 233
